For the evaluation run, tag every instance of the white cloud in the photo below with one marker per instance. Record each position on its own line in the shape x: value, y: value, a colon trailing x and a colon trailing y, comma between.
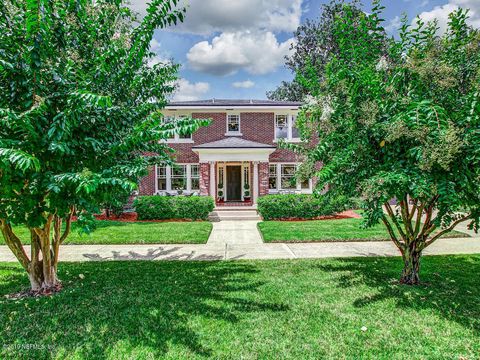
x: 394, y: 24
x: 247, y: 84
x: 441, y: 12
x: 209, y: 16
x: 256, y: 52
x: 159, y: 57
x: 187, y: 91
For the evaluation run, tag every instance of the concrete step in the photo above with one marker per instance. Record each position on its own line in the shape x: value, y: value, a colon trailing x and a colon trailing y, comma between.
x: 230, y: 215
x: 235, y: 208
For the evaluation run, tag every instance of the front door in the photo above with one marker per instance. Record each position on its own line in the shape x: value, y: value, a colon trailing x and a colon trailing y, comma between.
x: 234, y: 183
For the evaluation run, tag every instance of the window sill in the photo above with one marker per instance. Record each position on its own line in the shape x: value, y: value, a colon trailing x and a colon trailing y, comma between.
x: 180, y: 141
x: 288, y: 140
x: 233, y: 134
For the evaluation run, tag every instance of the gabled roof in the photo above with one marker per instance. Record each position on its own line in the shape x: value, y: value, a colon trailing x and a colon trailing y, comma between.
x: 234, y: 143
x: 233, y: 103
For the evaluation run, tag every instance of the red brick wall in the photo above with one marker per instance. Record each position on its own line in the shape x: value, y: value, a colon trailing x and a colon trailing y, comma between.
x: 263, y: 178
x: 254, y: 126
x: 147, y: 184
x: 204, y: 178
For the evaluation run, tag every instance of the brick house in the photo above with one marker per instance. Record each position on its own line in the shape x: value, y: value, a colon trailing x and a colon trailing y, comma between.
x: 235, y: 159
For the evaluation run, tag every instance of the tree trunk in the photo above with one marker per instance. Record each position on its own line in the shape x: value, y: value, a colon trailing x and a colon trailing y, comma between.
x: 411, y: 270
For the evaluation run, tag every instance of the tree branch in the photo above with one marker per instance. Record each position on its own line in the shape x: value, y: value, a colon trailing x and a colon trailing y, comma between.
x: 395, y: 221
x: 448, y: 229
x: 391, y: 232
x: 14, y: 244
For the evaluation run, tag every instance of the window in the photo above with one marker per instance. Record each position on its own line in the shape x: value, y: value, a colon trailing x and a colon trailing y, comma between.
x: 177, y: 137
x: 281, y: 127
x: 233, y: 124
x: 283, y: 177
x: 179, y: 177
x: 272, y: 177
x: 162, y: 178
x: 295, y: 131
x: 166, y: 120
x: 195, y: 177
x: 287, y: 177
x: 285, y: 127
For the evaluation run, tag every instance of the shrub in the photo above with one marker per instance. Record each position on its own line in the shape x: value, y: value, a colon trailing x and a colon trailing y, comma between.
x: 173, y: 207
x: 276, y: 207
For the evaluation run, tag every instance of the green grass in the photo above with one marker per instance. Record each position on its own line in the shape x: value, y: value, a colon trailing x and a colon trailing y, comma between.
x: 116, y: 232
x: 302, y: 309
x: 325, y: 231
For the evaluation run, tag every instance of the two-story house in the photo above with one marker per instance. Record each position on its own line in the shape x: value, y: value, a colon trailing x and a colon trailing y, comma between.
x: 235, y: 159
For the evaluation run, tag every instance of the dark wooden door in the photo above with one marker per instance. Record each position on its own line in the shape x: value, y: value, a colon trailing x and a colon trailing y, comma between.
x: 234, y: 183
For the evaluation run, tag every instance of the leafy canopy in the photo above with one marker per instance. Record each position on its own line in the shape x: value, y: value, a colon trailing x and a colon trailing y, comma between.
x: 79, y: 104
x: 400, y: 118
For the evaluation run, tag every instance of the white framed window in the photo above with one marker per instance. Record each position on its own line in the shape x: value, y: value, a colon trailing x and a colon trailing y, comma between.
x: 178, y: 138
x: 179, y: 177
x: 285, y: 128
x: 282, y: 177
x: 233, y: 124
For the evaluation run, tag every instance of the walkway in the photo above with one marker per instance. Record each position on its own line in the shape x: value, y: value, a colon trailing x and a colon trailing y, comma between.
x: 235, y: 241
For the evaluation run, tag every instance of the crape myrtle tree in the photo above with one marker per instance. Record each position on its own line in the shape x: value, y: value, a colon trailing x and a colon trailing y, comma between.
x: 79, y: 107
x: 315, y: 44
x: 401, y: 120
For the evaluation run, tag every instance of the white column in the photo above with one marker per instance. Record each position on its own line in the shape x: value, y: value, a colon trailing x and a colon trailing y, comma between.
x: 255, y: 187
x: 212, y: 179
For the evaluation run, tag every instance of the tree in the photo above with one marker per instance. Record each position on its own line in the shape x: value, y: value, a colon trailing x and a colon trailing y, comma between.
x: 315, y: 44
x: 79, y: 107
x: 401, y: 120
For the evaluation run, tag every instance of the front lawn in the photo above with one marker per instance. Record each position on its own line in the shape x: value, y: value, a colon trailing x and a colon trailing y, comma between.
x: 303, y: 309
x: 325, y: 231
x: 116, y: 232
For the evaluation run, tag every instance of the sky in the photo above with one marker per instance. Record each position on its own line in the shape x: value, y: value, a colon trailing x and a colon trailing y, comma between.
x: 235, y: 49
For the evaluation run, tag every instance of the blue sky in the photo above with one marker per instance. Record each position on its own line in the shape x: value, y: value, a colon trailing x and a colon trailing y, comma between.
x: 235, y: 48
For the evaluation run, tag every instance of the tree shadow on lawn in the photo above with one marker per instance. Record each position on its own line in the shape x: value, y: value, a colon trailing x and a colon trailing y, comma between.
x: 120, y: 308
x: 451, y: 285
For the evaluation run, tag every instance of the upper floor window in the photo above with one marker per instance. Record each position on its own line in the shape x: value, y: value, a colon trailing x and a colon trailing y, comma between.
x: 285, y: 127
x: 177, y: 137
x: 233, y: 125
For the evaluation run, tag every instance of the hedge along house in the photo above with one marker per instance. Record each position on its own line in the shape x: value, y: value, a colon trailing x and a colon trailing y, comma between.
x: 236, y: 158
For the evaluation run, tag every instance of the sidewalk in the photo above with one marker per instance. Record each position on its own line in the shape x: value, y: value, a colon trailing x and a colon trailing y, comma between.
x: 234, y: 240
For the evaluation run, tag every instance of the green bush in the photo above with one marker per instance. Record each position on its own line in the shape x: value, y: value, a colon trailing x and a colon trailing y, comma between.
x: 277, y: 207
x: 173, y: 207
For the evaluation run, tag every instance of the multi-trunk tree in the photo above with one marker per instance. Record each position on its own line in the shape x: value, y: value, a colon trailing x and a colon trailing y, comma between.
x: 400, y: 119
x: 79, y: 107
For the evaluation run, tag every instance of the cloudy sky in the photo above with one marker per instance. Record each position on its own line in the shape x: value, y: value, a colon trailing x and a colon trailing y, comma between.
x: 236, y: 48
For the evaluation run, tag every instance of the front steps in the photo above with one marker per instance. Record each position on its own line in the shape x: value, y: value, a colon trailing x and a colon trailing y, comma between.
x: 233, y: 214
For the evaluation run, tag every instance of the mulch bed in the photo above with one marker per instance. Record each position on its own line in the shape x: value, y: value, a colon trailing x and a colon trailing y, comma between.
x: 349, y: 214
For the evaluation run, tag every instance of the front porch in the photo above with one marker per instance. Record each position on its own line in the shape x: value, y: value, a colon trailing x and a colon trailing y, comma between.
x: 234, y: 171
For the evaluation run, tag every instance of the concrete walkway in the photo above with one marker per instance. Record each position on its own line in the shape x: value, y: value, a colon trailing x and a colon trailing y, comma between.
x: 235, y: 240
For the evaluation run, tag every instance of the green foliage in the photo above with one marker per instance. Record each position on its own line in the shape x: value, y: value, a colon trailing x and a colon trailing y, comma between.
x: 400, y: 119
x: 173, y: 207
x: 316, y: 43
x: 80, y: 104
x: 301, y: 206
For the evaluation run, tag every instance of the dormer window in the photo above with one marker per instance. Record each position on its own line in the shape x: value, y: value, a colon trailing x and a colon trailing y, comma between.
x: 233, y: 125
x: 285, y: 128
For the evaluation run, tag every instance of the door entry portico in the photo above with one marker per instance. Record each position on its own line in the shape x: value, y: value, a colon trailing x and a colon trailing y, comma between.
x: 234, y: 183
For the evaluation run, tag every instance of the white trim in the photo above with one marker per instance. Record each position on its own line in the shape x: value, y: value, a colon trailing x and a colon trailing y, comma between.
x: 212, y: 179
x: 278, y: 174
x: 234, y: 133
x: 226, y: 108
x: 168, y: 176
x: 255, y: 189
x: 289, y: 123
x: 237, y: 154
